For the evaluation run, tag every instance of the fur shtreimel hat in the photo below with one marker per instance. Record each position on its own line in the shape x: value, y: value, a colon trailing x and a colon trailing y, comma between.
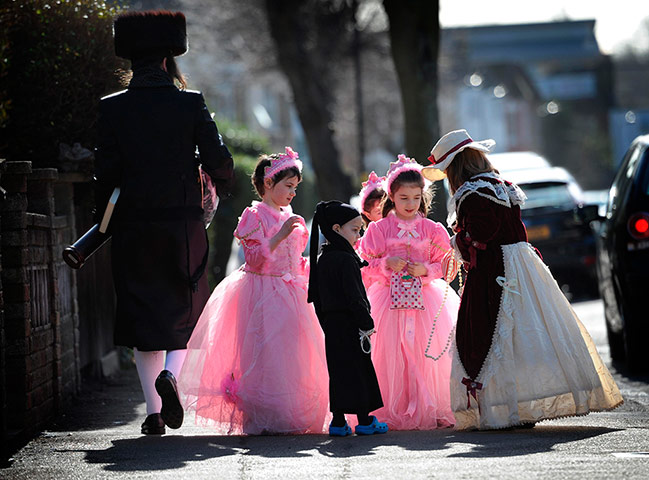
x: 149, y: 33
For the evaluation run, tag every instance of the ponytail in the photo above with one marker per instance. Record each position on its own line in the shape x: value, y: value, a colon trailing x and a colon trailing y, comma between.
x: 314, y: 246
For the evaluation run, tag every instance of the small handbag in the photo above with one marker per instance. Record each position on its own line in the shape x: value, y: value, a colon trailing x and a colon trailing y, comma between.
x: 210, y: 197
x: 405, y: 292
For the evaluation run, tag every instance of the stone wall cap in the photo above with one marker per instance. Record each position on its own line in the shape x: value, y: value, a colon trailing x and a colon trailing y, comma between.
x: 18, y: 168
x: 44, y: 174
x: 38, y: 220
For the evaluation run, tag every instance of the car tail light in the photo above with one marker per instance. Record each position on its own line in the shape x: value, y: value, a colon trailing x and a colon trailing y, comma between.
x: 638, y: 225
x: 588, y: 260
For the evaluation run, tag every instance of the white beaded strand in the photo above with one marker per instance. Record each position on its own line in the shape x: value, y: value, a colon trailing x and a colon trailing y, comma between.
x: 451, y: 266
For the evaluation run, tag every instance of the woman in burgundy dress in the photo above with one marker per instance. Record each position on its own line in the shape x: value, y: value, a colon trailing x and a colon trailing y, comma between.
x: 522, y: 355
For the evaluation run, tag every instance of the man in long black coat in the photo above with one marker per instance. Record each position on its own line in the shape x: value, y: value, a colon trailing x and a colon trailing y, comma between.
x: 148, y: 135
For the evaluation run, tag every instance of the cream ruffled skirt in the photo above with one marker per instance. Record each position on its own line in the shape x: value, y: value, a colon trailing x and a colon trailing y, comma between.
x: 542, y: 363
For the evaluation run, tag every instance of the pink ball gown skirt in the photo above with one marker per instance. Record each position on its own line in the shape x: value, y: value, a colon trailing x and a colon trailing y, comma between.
x: 255, y: 361
x: 415, y: 389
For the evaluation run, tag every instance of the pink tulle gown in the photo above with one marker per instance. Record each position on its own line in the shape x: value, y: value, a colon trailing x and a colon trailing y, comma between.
x: 415, y: 389
x: 256, y: 360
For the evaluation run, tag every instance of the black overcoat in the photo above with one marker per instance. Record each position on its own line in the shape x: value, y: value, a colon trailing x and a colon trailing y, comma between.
x: 344, y: 308
x: 146, y: 146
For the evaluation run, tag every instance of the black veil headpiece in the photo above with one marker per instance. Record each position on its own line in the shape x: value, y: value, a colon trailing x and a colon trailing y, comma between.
x: 327, y: 214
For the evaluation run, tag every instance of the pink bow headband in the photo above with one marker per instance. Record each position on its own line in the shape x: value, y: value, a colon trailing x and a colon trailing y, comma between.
x: 285, y: 161
x: 373, y: 182
x: 402, y: 164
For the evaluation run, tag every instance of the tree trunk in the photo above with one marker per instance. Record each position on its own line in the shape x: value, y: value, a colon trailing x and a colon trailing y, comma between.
x: 300, y: 60
x: 414, y: 37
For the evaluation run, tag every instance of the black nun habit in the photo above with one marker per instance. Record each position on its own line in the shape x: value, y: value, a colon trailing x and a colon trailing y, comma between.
x: 338, y: 294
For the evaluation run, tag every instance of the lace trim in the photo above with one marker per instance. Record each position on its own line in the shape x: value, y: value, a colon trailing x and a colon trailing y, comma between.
x: 252, y: 248
x: 278, y: 275
x: 496, y: 332
x: 504, y: 309
x: 244, y: 237
x: 431, y: 248
x: 374, y: 257
x: 503, y: 194
x: 545, y: 419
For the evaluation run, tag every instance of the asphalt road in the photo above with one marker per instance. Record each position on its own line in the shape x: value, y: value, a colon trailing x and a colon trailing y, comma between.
x: 99, y: 438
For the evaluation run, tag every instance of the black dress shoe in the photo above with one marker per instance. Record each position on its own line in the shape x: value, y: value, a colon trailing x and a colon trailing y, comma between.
x: 153, y: 425
x: 172, y: 411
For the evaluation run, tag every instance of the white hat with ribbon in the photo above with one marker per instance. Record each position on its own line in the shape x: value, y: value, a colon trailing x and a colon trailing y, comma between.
x: 447, y: 147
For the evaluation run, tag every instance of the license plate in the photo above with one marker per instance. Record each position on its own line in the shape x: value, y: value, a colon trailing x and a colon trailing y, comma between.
x: 538, y: 232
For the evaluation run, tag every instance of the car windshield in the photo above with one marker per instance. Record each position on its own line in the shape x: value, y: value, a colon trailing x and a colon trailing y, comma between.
x: 547, y: 194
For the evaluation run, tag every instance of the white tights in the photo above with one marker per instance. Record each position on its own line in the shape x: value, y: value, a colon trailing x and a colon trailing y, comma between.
x: 149, y: 365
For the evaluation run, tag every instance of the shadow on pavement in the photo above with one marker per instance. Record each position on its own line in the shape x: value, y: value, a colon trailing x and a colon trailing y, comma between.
x: 170, y: 452
x: 175, y: 451
x: 503, y: 443
x: 367, y: 445
x: 511, y: 443
x: 166, y: 452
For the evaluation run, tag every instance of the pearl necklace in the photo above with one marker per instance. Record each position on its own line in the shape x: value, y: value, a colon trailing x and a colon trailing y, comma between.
x: 451, y: 266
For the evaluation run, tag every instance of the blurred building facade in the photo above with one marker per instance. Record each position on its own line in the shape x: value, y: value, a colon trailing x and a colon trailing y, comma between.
x: 544, y: 87
x: 630, y: 117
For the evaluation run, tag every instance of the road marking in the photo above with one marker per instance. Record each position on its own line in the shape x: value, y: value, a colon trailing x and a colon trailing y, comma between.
x: 631, y: 455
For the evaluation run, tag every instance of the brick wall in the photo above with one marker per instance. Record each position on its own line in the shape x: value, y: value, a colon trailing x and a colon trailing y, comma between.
x: 16, y: 289
x: 56, y: 324
x: 68, y: 308
x: 3, y: 389
x: 40, y: 345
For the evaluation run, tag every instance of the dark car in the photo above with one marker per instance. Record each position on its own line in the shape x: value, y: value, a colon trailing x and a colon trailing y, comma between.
x: 623, y: 258
x: 553, y: 217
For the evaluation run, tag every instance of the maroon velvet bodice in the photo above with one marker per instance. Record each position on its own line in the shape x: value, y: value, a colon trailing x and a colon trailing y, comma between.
x: 484, y: 224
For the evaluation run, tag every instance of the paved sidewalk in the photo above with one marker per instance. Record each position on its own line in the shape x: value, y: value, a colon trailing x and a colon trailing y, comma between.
x: 99, y: 437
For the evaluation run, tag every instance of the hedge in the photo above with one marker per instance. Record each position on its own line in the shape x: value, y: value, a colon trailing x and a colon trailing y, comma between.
x: 57, y: 61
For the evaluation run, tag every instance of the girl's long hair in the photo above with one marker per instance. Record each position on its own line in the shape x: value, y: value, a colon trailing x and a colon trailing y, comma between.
x: 172, y: 70
x: 175, y: 73
x: 409, y: 177
x: 466, y: 164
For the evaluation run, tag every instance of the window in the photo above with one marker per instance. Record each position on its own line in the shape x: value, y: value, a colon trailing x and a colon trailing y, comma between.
x: 644, y: 175
x: 623, y: 179
x: 547, y: 194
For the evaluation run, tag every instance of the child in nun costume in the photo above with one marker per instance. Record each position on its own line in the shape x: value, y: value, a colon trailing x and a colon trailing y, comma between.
x: 338, y: 294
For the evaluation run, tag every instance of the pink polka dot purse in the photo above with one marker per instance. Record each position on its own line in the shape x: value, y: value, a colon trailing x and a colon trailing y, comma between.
x: 405, y: 292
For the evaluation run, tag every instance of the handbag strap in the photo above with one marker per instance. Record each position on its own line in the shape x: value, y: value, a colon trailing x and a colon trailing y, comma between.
x: 108, y: 213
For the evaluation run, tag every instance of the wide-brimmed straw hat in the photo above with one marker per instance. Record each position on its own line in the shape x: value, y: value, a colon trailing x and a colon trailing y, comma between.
x: 447, y: 147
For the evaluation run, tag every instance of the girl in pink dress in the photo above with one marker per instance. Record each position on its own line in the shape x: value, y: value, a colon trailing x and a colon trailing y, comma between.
x: 371, y: 194
x: 413, y: 308
x: 256, y: 361
x: 371, y: 197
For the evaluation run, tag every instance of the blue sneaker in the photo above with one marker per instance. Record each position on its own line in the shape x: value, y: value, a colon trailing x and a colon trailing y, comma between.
x: 340, y: 431
x: 372, y: 428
